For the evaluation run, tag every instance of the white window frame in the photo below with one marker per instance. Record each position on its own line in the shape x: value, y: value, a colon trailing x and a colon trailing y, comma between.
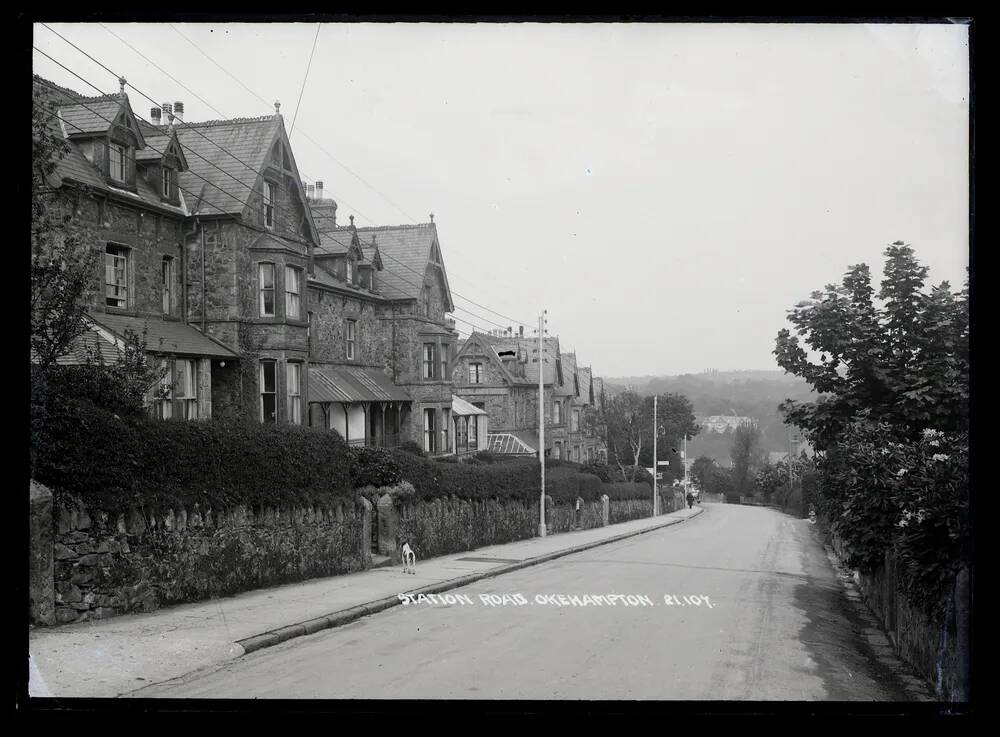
x: 117, y: 161
x: 556, y: 412
x: 350, y: 338
x: 429, y: 364
x: 167, y: 274
x: 430, y: 414
x: 187, y: 386
x: 293, y: 377
x: 575, y: 421
x: 293, y: 296
x: 273, y: 392
x: 119, y: 263
x: 472, y: 435
x: 557, y: 450
x: 165, y: 183
x: 475, y: 373
x: 269, y: 192
x: 444, y: 360
x: 261, y: 289
x: 348, y: 270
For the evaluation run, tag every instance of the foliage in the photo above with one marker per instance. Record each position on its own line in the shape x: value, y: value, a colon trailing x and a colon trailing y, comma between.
x: 628, y: 420
x: 412, y: 447
x: 747, y: 456
x: 905, y: 363
x: 373, y: 467
x: 600, y: 470
x: 119, y: 462
x: 893, y: 426
x: 62, y: 262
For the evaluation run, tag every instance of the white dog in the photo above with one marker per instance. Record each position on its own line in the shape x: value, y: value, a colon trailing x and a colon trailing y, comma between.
x: 409, y: 559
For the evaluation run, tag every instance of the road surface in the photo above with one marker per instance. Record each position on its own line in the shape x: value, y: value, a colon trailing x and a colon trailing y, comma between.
x: 771, y: 622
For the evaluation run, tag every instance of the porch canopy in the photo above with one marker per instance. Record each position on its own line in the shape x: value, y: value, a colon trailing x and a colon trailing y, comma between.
x: 518, y: 443
x: 462, y: 408
x: 349, y: 394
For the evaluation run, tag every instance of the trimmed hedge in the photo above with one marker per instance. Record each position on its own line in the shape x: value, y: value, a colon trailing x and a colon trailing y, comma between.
x: 119, y: 463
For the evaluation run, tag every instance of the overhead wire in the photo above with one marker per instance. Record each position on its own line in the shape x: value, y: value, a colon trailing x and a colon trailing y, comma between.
x: 243, y: 184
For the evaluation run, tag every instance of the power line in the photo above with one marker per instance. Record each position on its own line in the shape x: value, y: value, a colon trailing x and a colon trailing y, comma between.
x: 299, y: 103
x: 301, y: 132
x: 480, y: 317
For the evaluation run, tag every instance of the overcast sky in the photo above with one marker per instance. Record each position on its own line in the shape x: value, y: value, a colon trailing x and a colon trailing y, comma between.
x: 665, y: 191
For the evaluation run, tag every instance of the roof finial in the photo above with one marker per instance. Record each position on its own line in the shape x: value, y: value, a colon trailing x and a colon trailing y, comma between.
x: 352, y: 221
x: 121, y: 84
x: 432, y: 217
x: 277, y: 108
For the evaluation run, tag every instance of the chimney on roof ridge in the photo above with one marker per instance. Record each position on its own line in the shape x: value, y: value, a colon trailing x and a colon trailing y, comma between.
x: 432, y: 217
x: 310, y: 192
x: 319, y: 189
x: 179, y: 111
x: 154, y: 116
x: 168, y: 112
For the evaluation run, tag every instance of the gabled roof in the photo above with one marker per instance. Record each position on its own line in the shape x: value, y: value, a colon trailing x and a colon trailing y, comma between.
x: 222, y: 182
x: 91, y: 118
x: 406, y: 251
x: 530, y: 346
x: 336, y: 241
x: 160, y: 145
x: 478, y: 344
x: 74, y: 165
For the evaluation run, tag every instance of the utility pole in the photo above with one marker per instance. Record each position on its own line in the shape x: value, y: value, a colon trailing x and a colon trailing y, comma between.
x: 541, y: 419
x: 656, y: 466
x: 685, y: 461
x: 789, y: 460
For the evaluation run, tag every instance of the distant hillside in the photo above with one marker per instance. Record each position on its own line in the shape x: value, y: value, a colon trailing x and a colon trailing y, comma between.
x: 752, y: 393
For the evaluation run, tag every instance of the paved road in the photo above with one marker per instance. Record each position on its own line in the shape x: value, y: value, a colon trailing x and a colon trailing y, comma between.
x: 775, y: 626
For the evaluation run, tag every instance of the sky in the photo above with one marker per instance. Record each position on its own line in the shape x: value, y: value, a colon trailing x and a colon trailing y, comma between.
x: 666, y: 192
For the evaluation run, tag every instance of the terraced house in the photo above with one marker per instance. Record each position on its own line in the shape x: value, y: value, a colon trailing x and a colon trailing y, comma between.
x: 498, y: 373
x: 259, y: 304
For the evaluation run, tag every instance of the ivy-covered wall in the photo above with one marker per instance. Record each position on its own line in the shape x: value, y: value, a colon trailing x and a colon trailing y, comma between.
x: 110, y: 564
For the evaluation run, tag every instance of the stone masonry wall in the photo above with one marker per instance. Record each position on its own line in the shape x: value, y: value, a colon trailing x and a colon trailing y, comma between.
x: 107, y: 565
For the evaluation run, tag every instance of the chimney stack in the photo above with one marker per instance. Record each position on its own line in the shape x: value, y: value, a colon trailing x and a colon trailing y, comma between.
x: 179, y: 111
x: 319, y: 189
x: 154, y: 116
x: 310, y: 192
x: 168, y: 112
x: 521, y: 331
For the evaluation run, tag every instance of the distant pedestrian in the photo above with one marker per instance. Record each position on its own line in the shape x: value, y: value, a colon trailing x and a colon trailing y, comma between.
x: 690, y: 500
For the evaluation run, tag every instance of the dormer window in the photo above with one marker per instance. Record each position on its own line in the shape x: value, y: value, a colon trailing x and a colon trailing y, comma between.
x: 349, y: 271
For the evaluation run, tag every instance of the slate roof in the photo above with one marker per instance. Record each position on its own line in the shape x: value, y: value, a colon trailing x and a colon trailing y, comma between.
x: 80, y: 348
x: 75, y: 166
x: 164, y: 336
x: 333, y: 241
x: 223, y: 184
x: 90, y: 117
x: 405, y: 251
x: 530, y: 346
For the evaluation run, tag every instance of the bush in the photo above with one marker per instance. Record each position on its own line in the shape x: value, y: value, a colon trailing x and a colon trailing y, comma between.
x: 412, y: 448
x: 373, y: 467
x: 118, y: 463
x: 600, y: 470
x: 485, y: 456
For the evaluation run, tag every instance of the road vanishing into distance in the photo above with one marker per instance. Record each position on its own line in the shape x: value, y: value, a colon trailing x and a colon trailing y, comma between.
x: 765, y: 618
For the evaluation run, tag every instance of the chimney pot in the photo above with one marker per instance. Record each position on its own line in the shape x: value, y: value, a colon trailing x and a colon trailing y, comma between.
x: 310, y: 191
x: 319, y: 189
x: 154, y: 116
x: 179, y: 111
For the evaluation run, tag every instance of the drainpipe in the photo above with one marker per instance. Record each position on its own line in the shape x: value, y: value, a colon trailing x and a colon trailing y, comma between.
x: 184, y: 267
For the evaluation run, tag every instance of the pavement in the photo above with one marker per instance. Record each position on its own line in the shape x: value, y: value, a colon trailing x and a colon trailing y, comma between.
x: 121, y: 655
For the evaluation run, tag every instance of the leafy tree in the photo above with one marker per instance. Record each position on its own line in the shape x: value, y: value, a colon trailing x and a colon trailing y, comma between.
x: 748, y: 457
x: 904, y: 363
x: 628, y: 421
x: 701, y: 469
x: 62, y: 264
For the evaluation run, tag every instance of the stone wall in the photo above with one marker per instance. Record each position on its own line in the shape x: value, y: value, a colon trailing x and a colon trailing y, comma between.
x: 106, y: 564
x: 939, y: 651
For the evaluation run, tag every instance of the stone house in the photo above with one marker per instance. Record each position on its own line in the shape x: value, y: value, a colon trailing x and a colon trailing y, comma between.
x: 118, y: 189
x: 259, y: 303
x: 498, y: 372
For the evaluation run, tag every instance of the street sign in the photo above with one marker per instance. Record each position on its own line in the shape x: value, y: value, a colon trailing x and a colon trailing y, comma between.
x: 663, y: 463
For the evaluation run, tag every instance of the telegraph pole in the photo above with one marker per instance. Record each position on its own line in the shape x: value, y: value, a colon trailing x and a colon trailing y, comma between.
x: 656, y: 466
x: 541, y: 418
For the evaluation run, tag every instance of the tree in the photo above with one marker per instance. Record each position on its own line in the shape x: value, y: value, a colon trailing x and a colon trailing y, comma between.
x: 702, y: 467
x: 747, y: 456
x: 62, y: 263
x: 628, y: 421
x: 904, y: 363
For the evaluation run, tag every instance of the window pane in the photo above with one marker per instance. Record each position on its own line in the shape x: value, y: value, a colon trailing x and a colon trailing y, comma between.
x: 267, y: 276
x: 267, y: 376
x: 268, y: 407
